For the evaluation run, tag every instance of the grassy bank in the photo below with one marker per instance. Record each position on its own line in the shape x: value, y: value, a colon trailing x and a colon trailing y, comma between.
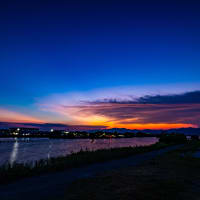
x: 17, y: 171
x: 173, y: 176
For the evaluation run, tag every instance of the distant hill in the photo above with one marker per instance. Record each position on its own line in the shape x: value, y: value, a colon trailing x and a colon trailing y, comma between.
x: 186, y: 131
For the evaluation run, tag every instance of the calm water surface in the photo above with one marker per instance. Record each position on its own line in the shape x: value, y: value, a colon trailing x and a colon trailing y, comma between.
x: 25, y: 150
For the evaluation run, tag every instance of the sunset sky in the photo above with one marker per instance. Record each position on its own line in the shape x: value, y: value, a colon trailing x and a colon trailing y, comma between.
x: 91, y: 64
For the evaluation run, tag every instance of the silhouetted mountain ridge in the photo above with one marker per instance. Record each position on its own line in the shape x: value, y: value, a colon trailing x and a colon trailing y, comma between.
x: 186, y: 131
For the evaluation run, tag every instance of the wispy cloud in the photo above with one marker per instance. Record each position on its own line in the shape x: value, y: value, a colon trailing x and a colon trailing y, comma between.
x: 184, y: 98
x: 128, y: 108
x: 7, y: 115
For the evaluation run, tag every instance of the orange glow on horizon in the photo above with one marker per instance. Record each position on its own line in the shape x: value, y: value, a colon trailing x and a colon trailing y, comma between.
x: 109, y: 123
x: 153, y: 126
x: 143, y: 126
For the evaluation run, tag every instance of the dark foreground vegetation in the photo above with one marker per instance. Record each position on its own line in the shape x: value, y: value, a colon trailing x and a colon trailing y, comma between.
x: 172, y: 176
x: 17, y: 171
x: 174, y: 138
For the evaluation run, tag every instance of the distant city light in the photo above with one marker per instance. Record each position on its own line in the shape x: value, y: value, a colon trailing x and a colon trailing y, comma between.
x: 52, y: 130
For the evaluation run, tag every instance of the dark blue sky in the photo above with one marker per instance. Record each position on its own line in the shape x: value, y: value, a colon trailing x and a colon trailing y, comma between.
x: 50, y: 47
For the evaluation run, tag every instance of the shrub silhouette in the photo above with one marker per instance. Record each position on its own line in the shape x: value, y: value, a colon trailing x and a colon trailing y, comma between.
x: 173, y: 138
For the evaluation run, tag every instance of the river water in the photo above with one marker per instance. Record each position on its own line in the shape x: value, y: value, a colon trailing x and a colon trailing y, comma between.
x: 25, y: 150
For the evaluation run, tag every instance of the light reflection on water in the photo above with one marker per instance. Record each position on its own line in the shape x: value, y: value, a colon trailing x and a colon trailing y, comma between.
x: 25, y: 150
x: 13, y: 155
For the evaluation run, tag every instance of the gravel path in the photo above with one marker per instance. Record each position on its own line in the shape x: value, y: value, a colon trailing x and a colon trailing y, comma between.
x: 53, y: 185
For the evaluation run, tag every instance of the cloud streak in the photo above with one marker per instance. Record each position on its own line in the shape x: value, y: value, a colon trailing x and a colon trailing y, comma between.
x: 13, y: 116
x: 147, y: 111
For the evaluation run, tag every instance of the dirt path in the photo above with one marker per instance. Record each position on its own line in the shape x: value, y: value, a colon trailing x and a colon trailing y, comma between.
x: 53, y: 185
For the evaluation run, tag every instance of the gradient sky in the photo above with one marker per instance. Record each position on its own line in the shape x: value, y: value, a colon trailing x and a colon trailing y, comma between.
x: 91, y: 63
